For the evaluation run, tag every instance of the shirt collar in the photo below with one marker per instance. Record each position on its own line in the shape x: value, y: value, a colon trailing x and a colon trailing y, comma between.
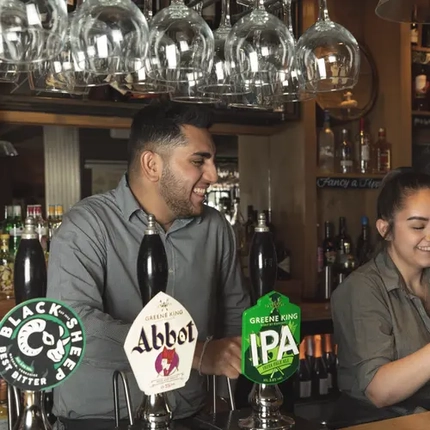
x: 390, y: 274
x: 129, y: 205
x: 125, y: 198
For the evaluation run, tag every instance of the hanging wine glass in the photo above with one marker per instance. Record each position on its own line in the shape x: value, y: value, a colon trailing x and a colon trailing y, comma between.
x: 291, y: 84
x: 139, y: 82
x: 258, y: 47
x: 109, y: 37
x: 31, y: 30
x: 189, y: 91
x: 181, y: 45
x: 220, y: 82
x: 328, y: 55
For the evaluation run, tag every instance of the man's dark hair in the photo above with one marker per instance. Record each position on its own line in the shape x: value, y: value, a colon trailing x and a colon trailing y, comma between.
x: 157, y: 127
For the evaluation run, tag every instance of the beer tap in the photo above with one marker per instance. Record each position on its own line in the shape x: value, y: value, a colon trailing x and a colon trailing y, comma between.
x: 265, y: 399
x: 152, y: 275
x: 30, y: 281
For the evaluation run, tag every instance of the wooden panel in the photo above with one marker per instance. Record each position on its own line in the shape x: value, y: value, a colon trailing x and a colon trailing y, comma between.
x: 253, y: 172
x: 390, y: 48
x: 85, y: 121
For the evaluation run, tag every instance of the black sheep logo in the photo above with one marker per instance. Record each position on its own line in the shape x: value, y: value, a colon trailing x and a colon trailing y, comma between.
x: 40, y: 337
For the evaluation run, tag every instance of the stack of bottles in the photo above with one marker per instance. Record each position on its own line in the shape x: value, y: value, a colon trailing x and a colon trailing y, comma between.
x: 10, y: 236
x: 359, y: 155
x: 337, y: 257
x: 317, y: 374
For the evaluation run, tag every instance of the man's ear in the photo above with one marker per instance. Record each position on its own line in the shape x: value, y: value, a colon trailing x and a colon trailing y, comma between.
x: 383, y: 228
x: 151, y: 165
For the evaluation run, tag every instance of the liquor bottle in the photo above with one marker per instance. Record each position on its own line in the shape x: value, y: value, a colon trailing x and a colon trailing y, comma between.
x: 319, y: 371
x: 364, y: 149
x: 330, y: 362
x: 343, y: 237
x: 326, y: 146
x: 383, y: 152
x: 8, y: 219
x: 346, y: 153
x: 152, y: 269
x: 364, y: 246
x: 304, y: 382
x: 58, y: 215
x: 15, y: 230
x: 30, y: 268
x: 328, y: 251
x: 262, y: 260
x: 421, y: 86
x: 6, y: 268
x: 414, y: 27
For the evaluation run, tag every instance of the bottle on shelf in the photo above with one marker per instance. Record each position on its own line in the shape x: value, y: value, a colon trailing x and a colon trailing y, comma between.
x: 414, y: 27
x: 328, y: 251
x: 310, y: 351
x: 383, y: 152
x: 304, y: 379
x: 363, y: 145
x: 249, y: 228
x: 319, y: 371
x: 15, y: 230
x: 421, y: 85
x: 364, y: 245
x: 343, y: 237
x: 326, y: 146
x: 346, y: 153
x: 6, y: 268
x: 330, y: 362
x: 8, y: 219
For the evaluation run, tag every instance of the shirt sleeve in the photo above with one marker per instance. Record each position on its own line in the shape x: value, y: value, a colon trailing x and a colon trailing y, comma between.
x: 363, y: 331
x: 234, y: 295
x: 76, y: 277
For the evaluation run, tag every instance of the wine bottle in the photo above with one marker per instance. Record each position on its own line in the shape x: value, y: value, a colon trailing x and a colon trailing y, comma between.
x: 304, y: 374
x: 30, y: 267
x: 262, y: 260
x: 319, y: 371
x: 152, y: 269
x: 330, y: 362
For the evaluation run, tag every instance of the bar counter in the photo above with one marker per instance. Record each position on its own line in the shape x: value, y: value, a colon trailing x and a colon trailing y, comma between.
x: 221, y: 421
x: 409, y: 422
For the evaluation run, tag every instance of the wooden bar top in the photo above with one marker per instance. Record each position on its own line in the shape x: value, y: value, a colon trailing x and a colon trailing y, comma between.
x: 409, y: 422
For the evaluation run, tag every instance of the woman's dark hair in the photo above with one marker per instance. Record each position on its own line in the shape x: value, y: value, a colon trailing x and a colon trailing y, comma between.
x: 157, y: 127
x: 395, y: 188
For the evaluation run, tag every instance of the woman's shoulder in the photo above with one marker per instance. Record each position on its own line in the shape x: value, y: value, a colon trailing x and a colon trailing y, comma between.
x: 366, y: 281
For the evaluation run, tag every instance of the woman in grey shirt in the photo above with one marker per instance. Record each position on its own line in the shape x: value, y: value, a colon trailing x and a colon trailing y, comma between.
x: 381, y: 311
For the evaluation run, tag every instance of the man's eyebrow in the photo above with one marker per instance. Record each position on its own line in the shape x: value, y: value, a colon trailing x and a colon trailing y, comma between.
x: 203, y: 154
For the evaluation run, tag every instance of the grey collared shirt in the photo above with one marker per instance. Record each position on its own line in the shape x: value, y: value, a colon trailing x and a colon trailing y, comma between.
x: 376, y: 321
x: 92, y: 268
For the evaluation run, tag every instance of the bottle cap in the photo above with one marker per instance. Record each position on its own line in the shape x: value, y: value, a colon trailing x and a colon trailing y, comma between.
x: 364, y: 220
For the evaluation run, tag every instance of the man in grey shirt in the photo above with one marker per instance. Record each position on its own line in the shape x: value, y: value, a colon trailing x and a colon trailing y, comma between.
x: 92, y: 264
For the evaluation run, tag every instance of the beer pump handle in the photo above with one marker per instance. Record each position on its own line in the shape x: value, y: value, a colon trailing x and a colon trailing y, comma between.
x: 152, y: 270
